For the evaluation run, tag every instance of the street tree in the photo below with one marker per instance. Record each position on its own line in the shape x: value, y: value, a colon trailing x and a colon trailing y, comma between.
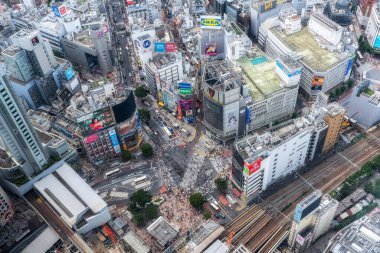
x: 141, y: 92
x: 144, y: 115
x: 140, y: 198
x: 221, y: 184
x: 147, y: 150
x: 151, y: 211
x: 139, y: 219
x: 206, y: 215
x: 196, y: 200
x: 126, y: 155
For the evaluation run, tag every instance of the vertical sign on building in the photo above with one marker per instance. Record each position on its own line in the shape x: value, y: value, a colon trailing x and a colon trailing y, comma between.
x: 114, y: 140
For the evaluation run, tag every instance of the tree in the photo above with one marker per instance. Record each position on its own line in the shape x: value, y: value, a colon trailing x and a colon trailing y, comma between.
x: 144, y: 115
x: 141, y: 198
x: 147, y: 150
x: 141, y: 92
x: 350, y: 83
x: 126, y: 155
x: 332, y: 96
x: 345, y: 191
x: 221, y: 184
x: 196, y: 200
x: 294, y: 115
x: 151, y: 211
x: 139, y: 219
x: 206, y: 215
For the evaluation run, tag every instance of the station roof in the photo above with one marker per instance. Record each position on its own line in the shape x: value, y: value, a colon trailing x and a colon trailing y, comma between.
x: 42, y: 242
x: 305, y: 44
x: 260, y: 74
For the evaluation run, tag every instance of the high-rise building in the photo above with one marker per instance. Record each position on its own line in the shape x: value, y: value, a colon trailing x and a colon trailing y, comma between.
x: 6, y: 210
x: 363, y: 12
x: 373, y: 27
x: 38, y: 49
x: 18, y: 64
x: 334, y: 115
x: 101, y: 46
x: 18, y: 135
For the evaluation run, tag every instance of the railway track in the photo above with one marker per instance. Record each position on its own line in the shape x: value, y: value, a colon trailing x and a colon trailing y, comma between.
x: 262, y: 226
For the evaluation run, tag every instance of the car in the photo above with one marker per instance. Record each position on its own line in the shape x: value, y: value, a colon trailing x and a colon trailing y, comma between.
x: 158, y: 113
x: 166, y: 124
x: 220, y: 216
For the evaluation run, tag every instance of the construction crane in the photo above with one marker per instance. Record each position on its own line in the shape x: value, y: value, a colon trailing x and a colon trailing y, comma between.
x: 347, y: 122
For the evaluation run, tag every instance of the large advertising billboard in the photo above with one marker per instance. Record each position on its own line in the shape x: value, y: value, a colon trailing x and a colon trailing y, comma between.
x: 114, y: 140
x: 211, y: 22
x: 59, y: 10
x: 317, y: 82
x: 376, y: 45
x: 268, y: 5
x: 232, y: 119
x: 91, y: 138
x: 69, y: 73
x: 185, y: 88
x: 95, y: 121
x: 170, y: 47
x: 127, y: 127
x: 250, y: 168
x: 210, y: 49
x: 214, y: 95
x: 213, y: 114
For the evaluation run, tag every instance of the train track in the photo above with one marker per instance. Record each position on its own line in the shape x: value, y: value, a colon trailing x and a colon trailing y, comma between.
x: 263, y: 226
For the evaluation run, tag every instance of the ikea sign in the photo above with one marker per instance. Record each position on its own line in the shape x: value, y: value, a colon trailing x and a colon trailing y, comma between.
x: 211, y: 22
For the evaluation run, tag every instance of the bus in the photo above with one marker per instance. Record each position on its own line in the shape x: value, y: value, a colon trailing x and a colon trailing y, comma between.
x: 142, y: 182
x: 216, y: 208
x: 167, y: 131
x: 112, y: 172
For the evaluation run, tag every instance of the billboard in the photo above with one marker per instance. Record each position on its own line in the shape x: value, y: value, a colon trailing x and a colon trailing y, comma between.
x: 268, y: 5
x: 69, y: 73
x: 349, y: 66
x: 232, y: 119
x: 307, y: 206
x: 127, y: 127
x: 213, y: 113
x: 91, y: 138
x: 250, y: 168
x: 376, y: 45
x: 95, y: 121
x: 247, y: 115
x: 213, y: 94
x: 189, y: 113
x: 147, y: 43
x: 59, y: 11
x: 300, y: 239
x: 185, y: 88
x: 35, y: 41
x: 186, y: 104
x: 159, y: 47
x: 210, y: 49
x: 170, y: 47
x: 317, y: 82
x: 114, y: 140
x: 211, y: 22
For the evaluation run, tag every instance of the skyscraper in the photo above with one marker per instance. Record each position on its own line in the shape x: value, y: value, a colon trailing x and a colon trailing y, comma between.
x: 18, y: 135
x: 6, y: 211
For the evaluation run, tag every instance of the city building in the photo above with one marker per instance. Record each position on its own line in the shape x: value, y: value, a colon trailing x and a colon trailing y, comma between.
x: 6, y: 209
x: 361, y: 236
x: 333, y: 115
x: 20, y: 140
x: 323, y: 217
x: 162, y: 231
x: 373, y: 27
x: 300, y: 234
x: 261, y: 10
x: 167, y: 66
x: 318, y: 48
x: 217, y: 247
x: 211, y: 40
x: 339, y: 12
x: 135, y: 242
x: 364, y: 105
x: 221, y: 87
x: 270, y: 87
x: 88, y: 48
x: 260, y: 160
x: 363, y: 12
x: 73, y: 199
x: 198, y: 238
x: 106, y: 122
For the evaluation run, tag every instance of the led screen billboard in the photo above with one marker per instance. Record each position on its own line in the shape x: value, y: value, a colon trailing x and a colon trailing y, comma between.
x: 268, y: 5
x: 317, y: 82
x: 69, y: 73
x: 114, y: 140
x: 95, y: 121
x: 213, y: 114
x: 376, y: 45
x: 210, y: 49
x: 159, y: 47
x: 127, y: 127
x: 170, y: 47
x: 91, y: 138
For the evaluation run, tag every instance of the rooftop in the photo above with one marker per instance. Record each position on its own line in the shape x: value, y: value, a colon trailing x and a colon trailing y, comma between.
x: 11, y: 51
x: 135, y: 242
x: 6, y: 161
x: 306, y: 46
x: 162, y: 231
x: 163, y: 60
x: 260, y: 73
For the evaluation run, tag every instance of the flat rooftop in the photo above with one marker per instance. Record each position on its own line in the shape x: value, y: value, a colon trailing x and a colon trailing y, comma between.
x: 162, y: 231
x: 305, y: 44
x: 11, y: 51
x: 261, y: 76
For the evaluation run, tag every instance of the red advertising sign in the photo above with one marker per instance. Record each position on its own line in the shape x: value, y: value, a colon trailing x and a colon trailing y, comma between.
x: 170, y: 47
x: 252, y: 167
x: 130, y: 2
x: 62, y: 10
x: 91, y: 138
